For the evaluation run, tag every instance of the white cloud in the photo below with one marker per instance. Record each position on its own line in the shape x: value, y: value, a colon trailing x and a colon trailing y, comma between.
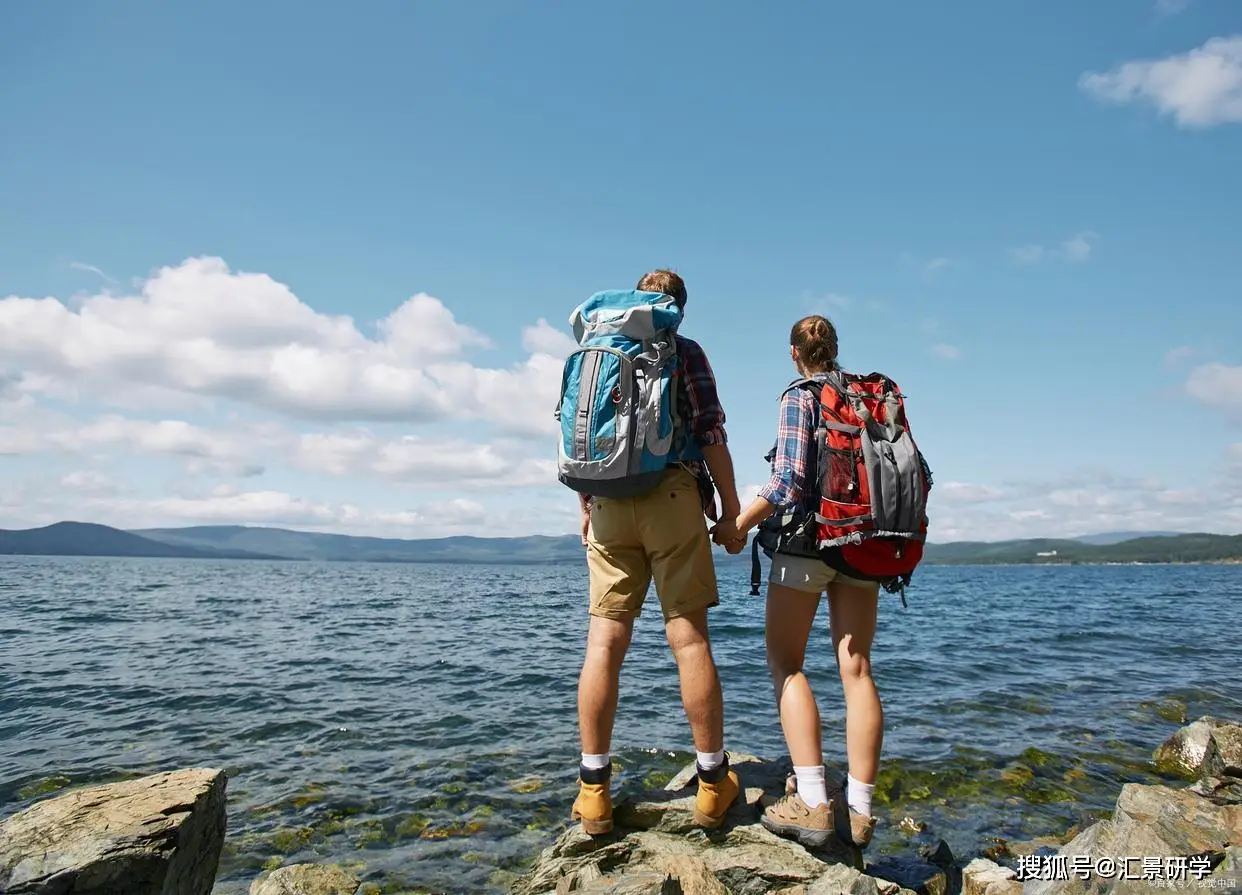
x: 966, y: 493
x: 88, y: 481
x: 1087, y: 504
x: 211, y: 451
x: 1078, y: 247
x: 28, y: 505
x: 1171, y: 7
x: 415, y: 460
x: 946, y: 352
x: 1175, y: 356
x: 199, y: 329
x: 268, y: 507
x: 90, y: 268
x: 1199, y: 88
x: 246, y: 451
x: 544, y: 339
x: 1030, y: 254
x: 829, y: 303
x: 935, y: 265
x: 1219, y: 386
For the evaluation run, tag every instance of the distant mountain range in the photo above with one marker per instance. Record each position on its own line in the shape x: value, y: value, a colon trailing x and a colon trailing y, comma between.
x: 253, y: 542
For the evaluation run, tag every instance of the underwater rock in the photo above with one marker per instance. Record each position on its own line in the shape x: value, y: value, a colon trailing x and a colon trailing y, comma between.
x: 306, y: 879
x: 155, y: 835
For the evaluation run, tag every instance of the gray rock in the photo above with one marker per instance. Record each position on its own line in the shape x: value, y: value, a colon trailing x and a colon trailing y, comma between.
x: 1184, y: 751
x: 1229, y: 869
x: 918, y: 876
x: 691, y: 874
x: 1227, y: 737
x: 984, y: 877
x: 839, y: 879
x: 569, y: 857
x: 1148, y: 820
x: 672, y: 810
x: 1208, y: 747
x: 306, y: 879
x: 640, y: 883
x: 1226, y: 791
x: 156, y: 835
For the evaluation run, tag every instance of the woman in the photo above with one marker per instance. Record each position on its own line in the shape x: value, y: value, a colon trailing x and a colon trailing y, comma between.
x: 809, y: 812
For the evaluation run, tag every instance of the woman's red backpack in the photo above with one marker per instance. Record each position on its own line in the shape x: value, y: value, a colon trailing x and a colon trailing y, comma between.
x: 873, y: 480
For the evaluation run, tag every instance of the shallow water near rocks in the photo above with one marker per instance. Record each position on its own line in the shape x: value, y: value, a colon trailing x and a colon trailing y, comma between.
x: 418, y: 723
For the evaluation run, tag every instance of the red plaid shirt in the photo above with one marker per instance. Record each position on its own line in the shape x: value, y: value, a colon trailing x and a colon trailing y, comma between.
x: 699, y: 406
x: 700, y: 409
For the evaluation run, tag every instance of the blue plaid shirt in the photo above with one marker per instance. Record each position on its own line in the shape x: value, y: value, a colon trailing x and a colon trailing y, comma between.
x: 788, y: 488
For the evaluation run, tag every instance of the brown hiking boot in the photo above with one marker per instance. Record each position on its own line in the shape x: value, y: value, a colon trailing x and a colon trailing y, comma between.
x: 594, y: 803
x: 792, y: 818
x: 718, y: 790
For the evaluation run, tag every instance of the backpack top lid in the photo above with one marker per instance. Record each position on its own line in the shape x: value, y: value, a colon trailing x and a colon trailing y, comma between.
x: 630, y: 313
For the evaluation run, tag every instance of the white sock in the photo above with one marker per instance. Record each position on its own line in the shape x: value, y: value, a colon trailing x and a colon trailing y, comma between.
x: 709, y: 761
x: 594, y: 762
x: 859, y: 796
x: 811, y: 786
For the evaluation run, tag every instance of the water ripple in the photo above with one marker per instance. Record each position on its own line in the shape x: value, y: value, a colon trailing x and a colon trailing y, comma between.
x: 422, y: 719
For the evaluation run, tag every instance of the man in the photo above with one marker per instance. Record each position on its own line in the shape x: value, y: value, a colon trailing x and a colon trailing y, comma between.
x: 661, y: 535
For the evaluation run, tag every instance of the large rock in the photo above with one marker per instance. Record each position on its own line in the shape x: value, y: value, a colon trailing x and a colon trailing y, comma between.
x: 1208, y: 747
x: 306, y: 879
x: 157, y: 835
x: 984, y: 877
x: 657, y: 848
x: 1148, y: 821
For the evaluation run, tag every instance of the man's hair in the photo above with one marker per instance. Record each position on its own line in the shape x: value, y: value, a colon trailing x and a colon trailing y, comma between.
x: 667, y: 282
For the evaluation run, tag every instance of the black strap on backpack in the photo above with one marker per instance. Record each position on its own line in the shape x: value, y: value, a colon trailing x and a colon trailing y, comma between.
x: 756, y: 571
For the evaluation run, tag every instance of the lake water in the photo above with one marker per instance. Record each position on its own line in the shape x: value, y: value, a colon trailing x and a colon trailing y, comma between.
x: 418, y: 722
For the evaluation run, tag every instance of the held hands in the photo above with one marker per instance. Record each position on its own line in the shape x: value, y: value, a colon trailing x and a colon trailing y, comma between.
x: 726, y: 534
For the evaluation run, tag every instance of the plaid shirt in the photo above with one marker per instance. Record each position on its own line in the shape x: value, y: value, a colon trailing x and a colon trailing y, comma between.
x: 701, y: 413
x: 787, y: 488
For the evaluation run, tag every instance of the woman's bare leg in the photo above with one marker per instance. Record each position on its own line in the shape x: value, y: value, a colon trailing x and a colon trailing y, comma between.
x: 852, y: 616
x: 790, y: 617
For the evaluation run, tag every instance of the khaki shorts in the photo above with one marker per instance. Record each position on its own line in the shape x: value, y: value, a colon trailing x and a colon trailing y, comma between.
x: 660, y: 535
x: 811, y: 575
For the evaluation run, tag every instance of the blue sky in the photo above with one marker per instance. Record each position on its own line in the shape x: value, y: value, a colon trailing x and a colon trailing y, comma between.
x: 1025, y: 214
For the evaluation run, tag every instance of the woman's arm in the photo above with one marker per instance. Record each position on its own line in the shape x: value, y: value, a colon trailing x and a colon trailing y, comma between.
x: 788, y: 482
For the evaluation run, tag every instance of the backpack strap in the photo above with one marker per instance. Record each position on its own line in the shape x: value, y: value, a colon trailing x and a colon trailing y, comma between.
x: 756, y: 571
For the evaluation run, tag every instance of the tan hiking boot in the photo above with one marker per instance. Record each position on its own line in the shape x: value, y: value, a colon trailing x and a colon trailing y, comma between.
x: 718, y: 790
x: 594, y: 803
x: 792, y: 818
x: 852, y: 828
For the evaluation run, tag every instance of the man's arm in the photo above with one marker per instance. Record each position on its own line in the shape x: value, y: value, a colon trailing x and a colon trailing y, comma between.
x: 720, y: 465
x: 584, y: 505
x: 707, y: 429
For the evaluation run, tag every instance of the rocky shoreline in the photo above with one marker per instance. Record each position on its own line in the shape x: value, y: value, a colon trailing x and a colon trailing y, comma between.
x: 163, y: 835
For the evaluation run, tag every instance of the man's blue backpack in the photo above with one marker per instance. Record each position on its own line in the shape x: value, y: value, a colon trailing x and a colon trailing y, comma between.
x: 618, y: 409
